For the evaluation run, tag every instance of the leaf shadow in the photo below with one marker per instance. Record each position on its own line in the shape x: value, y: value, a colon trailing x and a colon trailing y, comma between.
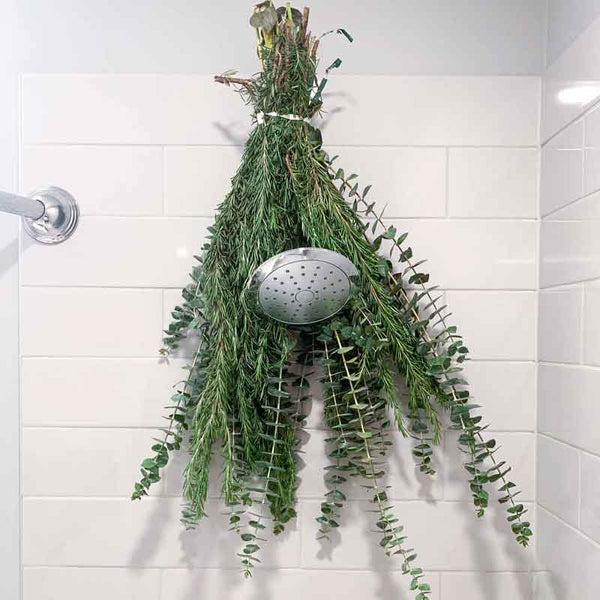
x: 234, y: 133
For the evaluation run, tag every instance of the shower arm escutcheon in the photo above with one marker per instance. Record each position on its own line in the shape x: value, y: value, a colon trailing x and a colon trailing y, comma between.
x: 50, y: 215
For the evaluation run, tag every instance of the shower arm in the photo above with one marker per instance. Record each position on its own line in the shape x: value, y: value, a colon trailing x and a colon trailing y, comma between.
x: 32, y: 208
x: 50, y: 215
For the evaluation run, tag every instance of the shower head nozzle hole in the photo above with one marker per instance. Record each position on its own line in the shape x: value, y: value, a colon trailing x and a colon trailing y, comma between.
x: 305, y: 297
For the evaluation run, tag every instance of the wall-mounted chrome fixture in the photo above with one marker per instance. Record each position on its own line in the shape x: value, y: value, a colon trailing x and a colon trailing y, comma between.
x: 50, y: 215
x: 303, y: 286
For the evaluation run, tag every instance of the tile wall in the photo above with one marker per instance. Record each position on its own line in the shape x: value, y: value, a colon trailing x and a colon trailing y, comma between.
x: 568, y: 450
x: 148, y: 158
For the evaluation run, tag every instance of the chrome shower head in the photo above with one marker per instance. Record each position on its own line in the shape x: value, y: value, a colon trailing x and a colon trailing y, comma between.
x: 303, y: 286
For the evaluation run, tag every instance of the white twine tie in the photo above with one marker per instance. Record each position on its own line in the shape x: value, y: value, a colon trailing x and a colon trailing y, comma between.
x: 260, y: 117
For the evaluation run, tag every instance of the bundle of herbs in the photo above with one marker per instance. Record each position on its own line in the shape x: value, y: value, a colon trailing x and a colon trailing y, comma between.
x: 246, y: 384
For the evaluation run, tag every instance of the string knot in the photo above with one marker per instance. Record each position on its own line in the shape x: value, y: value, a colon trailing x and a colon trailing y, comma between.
x: 260, y: 117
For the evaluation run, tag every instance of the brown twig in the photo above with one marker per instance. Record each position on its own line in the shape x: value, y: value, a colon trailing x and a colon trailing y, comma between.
x: 247, y: 83
x: 302, y: 34
x: 314, y: 49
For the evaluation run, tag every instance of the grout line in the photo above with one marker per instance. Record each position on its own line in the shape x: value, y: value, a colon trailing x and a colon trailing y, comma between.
x: 581, y: 332
x: 159, y: 357
x: 210, y: 215
x: 312, y: 500
x: 579, y: 488
x: 447, y: 184
x: 309, y: 430
x: 163, y: 182
x: 20, y: 345
x: 572, y: 528
x: 567, y: 205
x: 163, y: 324
x: 571, y: 445
x: 298, y: 568
x: 583, y: 161
x: 536, y: 385
x: 225, y: 145
x: 580, y: 116
x: 575, y: 282
x: 561, y: 287
x: 573, y: 365
x: 115, y: 287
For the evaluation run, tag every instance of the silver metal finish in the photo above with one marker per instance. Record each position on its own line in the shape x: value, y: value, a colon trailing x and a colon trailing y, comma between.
x: 50, y: 215
x: 20, y: 205
x: 303, y: 286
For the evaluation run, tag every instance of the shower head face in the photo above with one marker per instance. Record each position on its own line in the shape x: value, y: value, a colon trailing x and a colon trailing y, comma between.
x: 303, y: 286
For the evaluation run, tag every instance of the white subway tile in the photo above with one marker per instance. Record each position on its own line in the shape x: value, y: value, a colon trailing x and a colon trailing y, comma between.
x: 432, y: 111
x: 562, y: 177
x: 591, y: 170
x: 101, y: 392
x: 403, y: 479
x: 131, y: 109
x: 117, y: 180
x: 567, y: 405
x: 570, y: 251
x: 591, y: 324
x: 570, y: 560
x: 472, y: 254
x: 559, y: 329
x: 57, y: 532
x: 506, y: 392
x: 587, y: 207
x: 495, y: 325
x: 445, y: 535
x: 197, y: 178
x: 144, y: 252
x: 475, y: 586
x: 493, y: 182
x: 542, y: 586
x: 178, y: 584
x: 590, y: 493
x: 48, y: 583
x: 84, y: 462
x: 408, y: 182
x: 517, y: 449
x: 90, y: 322
x: 570, y: 138
x: 558, y: 479
x: 592, y: 128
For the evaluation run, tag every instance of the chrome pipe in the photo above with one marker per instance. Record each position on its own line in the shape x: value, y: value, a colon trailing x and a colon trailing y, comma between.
x: 32, y: 208
x: 50, y: 215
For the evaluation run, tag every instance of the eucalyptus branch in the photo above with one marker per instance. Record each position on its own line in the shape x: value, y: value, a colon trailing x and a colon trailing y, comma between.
x: 269, y: 464
x: 184, y: 401
x: 334, y: 478
x: 459, y: 398
x: 392, y: 540
x: 422, y: 452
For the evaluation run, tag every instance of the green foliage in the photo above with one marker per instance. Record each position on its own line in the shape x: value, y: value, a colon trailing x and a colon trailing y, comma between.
x: 445, y: 354
x: 247, y: 381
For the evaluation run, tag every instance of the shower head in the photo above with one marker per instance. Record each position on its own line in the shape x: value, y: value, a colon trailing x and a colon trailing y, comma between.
x: 303, y: 286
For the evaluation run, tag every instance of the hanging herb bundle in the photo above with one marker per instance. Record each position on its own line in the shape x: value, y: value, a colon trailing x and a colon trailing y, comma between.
x: 245, y: 386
